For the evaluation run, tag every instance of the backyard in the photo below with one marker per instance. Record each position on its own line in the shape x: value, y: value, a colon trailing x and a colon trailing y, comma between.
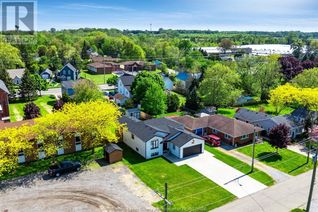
x: 241, y: 166
x: 188, y: 189
x: 286, y: 160
x: 98, y: 79
x: 45, y: 103
x: 230, y: 112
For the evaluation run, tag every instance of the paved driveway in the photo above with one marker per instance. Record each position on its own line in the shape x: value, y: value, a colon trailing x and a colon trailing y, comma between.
x: 224, y: 175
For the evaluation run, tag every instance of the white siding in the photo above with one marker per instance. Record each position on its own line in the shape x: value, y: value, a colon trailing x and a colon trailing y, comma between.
x: 174, y: 150
x: 136, y: 144
x: 193, y: 142
x: 158, y: 150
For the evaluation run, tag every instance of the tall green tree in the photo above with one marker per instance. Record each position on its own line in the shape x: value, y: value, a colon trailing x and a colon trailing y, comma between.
x: 86, y: 91
x: 307, y: 79
x: 4, y: 76
x: 154, y: 102
x: 28, y: 87
x: 220, y: 86
x: 9, y: 56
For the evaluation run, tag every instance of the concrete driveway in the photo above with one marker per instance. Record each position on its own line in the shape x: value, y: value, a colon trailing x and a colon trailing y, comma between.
x: 234, y: 181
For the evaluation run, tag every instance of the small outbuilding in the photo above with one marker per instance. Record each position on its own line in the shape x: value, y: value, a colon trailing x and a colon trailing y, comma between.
x: 113, y: 153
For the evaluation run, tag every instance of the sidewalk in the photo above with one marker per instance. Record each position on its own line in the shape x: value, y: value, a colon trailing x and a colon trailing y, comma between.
x: 277, y: 175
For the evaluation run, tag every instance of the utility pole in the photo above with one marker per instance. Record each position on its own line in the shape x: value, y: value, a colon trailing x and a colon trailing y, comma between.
x: 165, y: 198
x: 253, y: 154
x: 312, y: 181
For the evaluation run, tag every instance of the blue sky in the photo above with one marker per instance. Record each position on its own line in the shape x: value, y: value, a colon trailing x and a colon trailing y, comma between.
x: 269, y: 15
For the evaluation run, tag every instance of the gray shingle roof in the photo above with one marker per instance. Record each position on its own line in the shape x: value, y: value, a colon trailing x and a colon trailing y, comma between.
x: 127, y: 80
x: 111, y: 147
x: 250, y: 116
x: 4, y: 87
x: 48, y: 71
x: 16, y: 72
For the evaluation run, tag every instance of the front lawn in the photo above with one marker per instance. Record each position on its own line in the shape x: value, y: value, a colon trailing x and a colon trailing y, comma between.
x: 45, y: 103
x: 98, y: 79
x: 241, y: 166
x: 286, y: 161
x: 181, y: 113
x: 42, y: 165
x: 188, y: 189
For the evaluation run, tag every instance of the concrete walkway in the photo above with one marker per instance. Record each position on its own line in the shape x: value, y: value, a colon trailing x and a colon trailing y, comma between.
x: 277, y: 175
x: 300, y: 149
x: 222, y: 174
x: 283, y: 197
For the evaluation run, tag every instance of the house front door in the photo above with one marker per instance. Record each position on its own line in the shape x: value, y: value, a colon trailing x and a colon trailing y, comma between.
x: 165, y: 146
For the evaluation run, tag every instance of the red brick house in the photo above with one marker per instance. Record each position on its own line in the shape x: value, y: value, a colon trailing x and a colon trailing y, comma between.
x: 103, y: 67
x: 72, y: 143
x: 231, y: 131
x: 4, y: 102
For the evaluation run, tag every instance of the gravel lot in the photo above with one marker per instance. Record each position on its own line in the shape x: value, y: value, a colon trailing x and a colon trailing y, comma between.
x: 110, y: 188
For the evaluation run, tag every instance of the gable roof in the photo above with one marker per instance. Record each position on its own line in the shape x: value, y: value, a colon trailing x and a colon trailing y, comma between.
x: 13, y: 73
x: 48, y: 71
x: 70, y: 66
x: 111, y: 147
x: 4, y: 87
x: 130, y: 63
x: 127, y: 80
x: 232, y: 127
x: 251, y: 116
x: 168, y: 129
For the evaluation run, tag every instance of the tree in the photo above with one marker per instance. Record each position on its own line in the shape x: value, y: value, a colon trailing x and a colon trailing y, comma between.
x: 40, y: 83
x: 58, y: 105
x: 193, y: 101
x: 28, y: 87
x: 219, y: 86
x: 85, y: 49
x: 290, y: 67
x: 31, y: 111
x: 225, y: 44
x: 86, y: 91
x: 143, y: 81
x: 9, y: 57
x: 173, y: 102
x: 112, y: 80
x: 307, y: 79
x: 4, y: 76
x: 278, y: 137
x: 154, y: 101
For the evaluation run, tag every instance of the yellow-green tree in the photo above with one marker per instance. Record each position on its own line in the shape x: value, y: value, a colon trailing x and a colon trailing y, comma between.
x: 12, y: 141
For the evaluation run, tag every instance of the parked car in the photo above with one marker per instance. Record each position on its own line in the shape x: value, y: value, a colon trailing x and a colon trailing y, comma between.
x: 64, y: 167
x: 212, y: 140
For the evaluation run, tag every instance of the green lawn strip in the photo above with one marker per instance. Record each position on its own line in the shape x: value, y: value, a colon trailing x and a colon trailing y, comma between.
x: 258, y: 175
x: 98, y: 79
x: 181, y: 113
x: 12, y: 109
x: 188, y: 189
x: 286, y: 161
x: 228, y: 112
x: 42, y: 165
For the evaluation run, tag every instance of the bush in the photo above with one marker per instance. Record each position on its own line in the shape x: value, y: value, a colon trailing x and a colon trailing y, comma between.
x: 112, y: 80
x: 31, y: 111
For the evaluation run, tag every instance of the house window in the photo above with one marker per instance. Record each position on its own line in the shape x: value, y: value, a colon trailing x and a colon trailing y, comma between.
x: 227, y: 136
x: 78, y: 142
x: 214, y: 131
x: 132, y: 136
x: 154, y: 144
x: 154, y: 154
x: 173, y: 146
x: 244, y: 137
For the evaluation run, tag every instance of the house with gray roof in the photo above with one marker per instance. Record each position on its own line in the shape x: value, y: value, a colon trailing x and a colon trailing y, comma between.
x: 47, y: 74
x: 250, y: 116
x: 124, y: 84
x: 155, y: 137
x: 68, y: 72
x: 16, y: 75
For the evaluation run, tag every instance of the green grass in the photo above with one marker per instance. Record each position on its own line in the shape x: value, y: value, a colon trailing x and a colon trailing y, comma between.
x: 98, y: 79
x: 45, y: 103
x: 241, y: 166
x: 54, y: 85
x: 286, y: 161
x: 230, y: 112
x: 188, y: 189
x: 42, y: 165
x: 298, y: 210
x: 181, y: 113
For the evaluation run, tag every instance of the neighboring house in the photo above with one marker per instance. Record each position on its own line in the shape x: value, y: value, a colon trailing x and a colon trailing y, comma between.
x: 250, y: 116
x: 185, y: 79
x: 120, y: 99
x: 244, y: 100
x: 268, y: 122
x: 133, y: 66
x: 231, y: 131
x: 101, y: 59
x: 67, y: 87
x: 168, y: 83
x: 301, y: 114
x: 133, y: 113
x: 47, y: 74
x: 124, y: 84
x: 295, y: 128
x: 68, y: 72
x: 16, y: 75
x: 155, y: 137
x: 74, y: 143
x: 103, y: 68
x: 4, y: 102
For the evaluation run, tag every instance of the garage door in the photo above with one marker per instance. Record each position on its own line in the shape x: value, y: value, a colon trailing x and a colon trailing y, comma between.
x: 192, y: 150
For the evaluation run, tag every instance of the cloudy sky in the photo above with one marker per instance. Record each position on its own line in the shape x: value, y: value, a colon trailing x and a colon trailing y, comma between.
x: 269, y: 15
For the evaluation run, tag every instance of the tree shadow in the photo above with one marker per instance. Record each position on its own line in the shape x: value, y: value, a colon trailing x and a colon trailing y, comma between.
x: 297, y: 168
x: 51, y: 103
x: 269, y: 157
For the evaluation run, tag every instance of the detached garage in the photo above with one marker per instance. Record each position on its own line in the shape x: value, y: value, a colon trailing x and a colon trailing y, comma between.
x: 185, y: 145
